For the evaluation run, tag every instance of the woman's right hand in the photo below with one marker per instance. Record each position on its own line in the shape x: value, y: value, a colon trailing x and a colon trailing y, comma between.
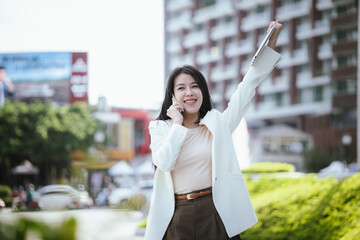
x: 273, y: 39
x: 174, y: 112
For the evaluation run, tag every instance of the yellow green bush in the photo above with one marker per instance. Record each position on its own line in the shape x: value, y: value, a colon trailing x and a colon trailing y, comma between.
x: 269, y: 167
x: 24, y: 228
x: 305, y: 208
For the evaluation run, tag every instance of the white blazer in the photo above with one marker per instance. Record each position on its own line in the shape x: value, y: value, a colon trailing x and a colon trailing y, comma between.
x: 230, y: 195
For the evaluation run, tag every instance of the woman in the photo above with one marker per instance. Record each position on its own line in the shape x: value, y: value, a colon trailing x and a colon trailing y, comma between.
x: 199, y: 191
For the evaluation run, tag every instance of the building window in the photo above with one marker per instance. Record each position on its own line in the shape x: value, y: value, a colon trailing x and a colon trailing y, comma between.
x: 278, y: 99
x: 260, y: 9
x: 206, y: 3
x: 228, y: 19
x: 340, y: 35
x: 198, y: 27
x: 340, y: 86
x: 318, y: 94
x: 346, y: 86
x: 341, y: 61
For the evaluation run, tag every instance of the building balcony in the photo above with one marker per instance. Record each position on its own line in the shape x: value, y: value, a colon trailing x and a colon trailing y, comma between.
x: 180, y: 61
x: 195, y: 38
x: 345, y: 20
x: 283, y: 37
x: 221, y: 8
x: 248, y: 5
x: 223, y: 30
x: 281, y: 85
x: 173, y: 45
x: 243, y: 47
x: 180, y: 22
x: 325, y: 51
x: 344, y: 47
x: 305, y: 80
x: 322, y: 27
x: 344, y: 100
x: 304, y: 31
x: 255, y: 21
x: 229, y: 72
x: 176, y: 5
x: 269, y: 110
x: 293, y: 10
x: 206, y: 56
x: 301, y: 56
x: 322, y: 5
x: 344, y: 72
x: 230, y: 90
x: 245, y: 65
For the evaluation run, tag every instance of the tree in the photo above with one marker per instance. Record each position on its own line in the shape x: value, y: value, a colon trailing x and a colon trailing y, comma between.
x: 44, y: 134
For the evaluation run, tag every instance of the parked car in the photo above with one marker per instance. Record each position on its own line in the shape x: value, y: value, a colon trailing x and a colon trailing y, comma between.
x: 119, y: 197
x: 57, y: 197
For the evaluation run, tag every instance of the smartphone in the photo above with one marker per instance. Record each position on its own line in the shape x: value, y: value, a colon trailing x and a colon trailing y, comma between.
x: 262, y: 45
x: 177, y: 101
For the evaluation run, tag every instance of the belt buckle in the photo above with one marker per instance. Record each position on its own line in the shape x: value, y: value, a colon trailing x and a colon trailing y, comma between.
x: 189, y: 197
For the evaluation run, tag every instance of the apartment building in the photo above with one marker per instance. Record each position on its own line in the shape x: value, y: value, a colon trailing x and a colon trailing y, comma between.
x: 313, y: 88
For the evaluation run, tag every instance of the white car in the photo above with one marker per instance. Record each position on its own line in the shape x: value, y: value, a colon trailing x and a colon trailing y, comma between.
x: 119, y: 197
x: 57, y: 197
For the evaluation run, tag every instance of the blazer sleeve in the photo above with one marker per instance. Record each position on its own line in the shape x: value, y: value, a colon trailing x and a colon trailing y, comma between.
x: 241, y: 99
x: 165, y: 144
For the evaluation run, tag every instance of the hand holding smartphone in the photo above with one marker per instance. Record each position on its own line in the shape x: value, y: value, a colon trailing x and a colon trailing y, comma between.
x: 262, y: 45
x: 181, y: 110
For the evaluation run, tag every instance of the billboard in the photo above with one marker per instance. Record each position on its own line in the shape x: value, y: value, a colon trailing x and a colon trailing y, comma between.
x: 58, y: 76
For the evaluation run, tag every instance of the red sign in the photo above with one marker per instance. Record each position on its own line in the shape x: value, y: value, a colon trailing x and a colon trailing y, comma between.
x: 79, y: 78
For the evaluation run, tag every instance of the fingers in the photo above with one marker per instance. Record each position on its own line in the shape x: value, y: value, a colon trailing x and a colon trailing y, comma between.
x: 177, y: 105
x: 275, y: 24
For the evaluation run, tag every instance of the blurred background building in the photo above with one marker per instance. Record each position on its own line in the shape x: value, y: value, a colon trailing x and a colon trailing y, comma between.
x: 313, y: 88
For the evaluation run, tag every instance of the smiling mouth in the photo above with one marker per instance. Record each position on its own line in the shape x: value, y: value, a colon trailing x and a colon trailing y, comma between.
x: 190, y: 101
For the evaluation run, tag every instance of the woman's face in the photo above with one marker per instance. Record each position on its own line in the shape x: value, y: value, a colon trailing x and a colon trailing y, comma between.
x: 188, y: 93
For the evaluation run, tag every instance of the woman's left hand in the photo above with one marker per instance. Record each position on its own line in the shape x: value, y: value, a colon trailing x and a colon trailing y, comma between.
x: 273, y: 39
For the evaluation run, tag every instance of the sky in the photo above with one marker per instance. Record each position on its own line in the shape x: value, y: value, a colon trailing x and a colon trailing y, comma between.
x: 123, y: 38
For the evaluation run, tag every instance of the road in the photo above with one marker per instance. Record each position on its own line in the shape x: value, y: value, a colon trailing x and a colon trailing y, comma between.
x: 92, y: 224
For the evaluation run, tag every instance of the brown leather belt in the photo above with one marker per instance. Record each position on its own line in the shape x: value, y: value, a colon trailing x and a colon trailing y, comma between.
x: 193, y: 195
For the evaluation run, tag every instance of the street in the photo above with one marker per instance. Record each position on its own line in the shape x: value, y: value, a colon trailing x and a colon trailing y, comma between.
x: 92, y: 224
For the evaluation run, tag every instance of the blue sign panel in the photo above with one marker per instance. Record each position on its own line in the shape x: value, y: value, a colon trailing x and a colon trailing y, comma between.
x: 37, y: 67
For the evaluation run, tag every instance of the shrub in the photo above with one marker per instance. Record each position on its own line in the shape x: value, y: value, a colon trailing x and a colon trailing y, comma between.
x: 5, y: 191
x: 269, y: 167
x: 24, y: 228
x: 305, y: 208
x: 316, y: 159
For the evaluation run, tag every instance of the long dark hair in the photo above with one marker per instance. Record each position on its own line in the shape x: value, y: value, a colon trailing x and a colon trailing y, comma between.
x: 199, y: 79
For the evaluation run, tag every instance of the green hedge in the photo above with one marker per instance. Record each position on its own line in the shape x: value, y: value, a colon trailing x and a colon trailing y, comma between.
x: 269, y: 167
x: 5, y: 191
x: 24, y: 228
x: 5, y: 195
x: 305, y: 208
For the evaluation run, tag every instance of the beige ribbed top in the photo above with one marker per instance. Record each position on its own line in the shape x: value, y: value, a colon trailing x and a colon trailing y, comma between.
x: 192, y: 170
